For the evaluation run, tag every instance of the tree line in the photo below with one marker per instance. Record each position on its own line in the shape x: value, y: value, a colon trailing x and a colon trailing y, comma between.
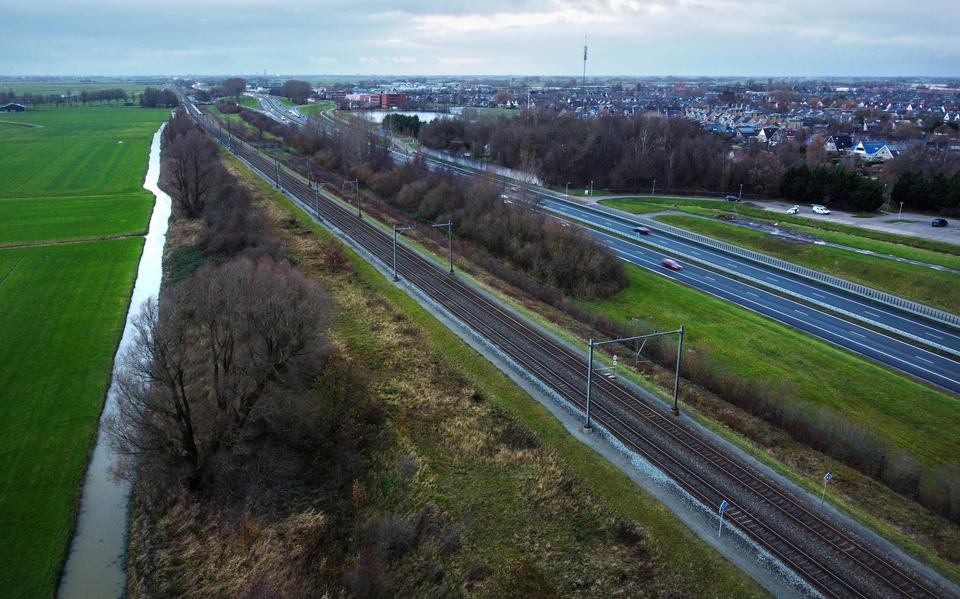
x: 613, y: 152
x: 554, y: 256
x: 158, y: 98
x: 631, y: 153
x: 233, y: 358
x: 832, y: 186
x: 83, y: 98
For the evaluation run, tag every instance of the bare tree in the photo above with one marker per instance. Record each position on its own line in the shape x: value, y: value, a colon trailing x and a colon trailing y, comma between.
x: 192, y: 173
x: 202, y: 362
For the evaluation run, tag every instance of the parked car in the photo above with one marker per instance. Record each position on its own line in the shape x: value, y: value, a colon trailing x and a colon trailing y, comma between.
x: 794, y: 210
x: 817, y: 208
x: 641, y: 230
x: 732, y: 198
x: 671, y: 264
x: 938, y: 222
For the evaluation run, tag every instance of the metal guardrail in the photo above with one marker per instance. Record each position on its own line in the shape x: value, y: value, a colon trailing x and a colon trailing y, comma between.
x: 870, y: 293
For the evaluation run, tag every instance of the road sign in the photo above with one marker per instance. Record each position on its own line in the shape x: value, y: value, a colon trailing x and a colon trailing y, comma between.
x: 723, y: 507
x: 827, y: 476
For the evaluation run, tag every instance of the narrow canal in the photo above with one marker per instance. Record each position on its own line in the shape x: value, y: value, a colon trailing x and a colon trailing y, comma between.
x: 96, y: 564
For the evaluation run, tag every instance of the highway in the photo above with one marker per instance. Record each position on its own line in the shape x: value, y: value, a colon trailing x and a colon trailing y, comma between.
x: 919, y: 362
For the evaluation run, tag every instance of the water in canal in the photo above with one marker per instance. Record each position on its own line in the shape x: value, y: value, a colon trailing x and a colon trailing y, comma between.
x: 96, y: 564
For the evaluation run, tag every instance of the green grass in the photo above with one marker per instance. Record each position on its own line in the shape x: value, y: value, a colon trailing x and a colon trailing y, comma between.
x: 698, y: 569
x: 249, y: 102
x: 905, y: 413
x: 78, y: 151
x: 24, y: 220
x: 895, y: 242
x: 918, y: 283
x: 63, y: 310
x: 315, y: 108
x: 66, y: 87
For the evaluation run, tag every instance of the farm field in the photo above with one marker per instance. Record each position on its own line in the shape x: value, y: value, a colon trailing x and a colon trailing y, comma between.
x: 66, y: 87
x: 97, y: 150
x: 25, y: 220
x: 76, y: 176
x: 904, y: 413
x: 63, y: 310
x: 918, y: 283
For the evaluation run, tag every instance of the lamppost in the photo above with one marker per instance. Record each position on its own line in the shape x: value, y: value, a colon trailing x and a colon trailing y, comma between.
x: 566, y: 190
x: 396, y: 229
x: 901, y: 211
x: 740, y: 195
x: 653, y: 190
x: 449, y: 226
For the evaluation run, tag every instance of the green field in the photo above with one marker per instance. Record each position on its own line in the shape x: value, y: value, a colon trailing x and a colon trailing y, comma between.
x: 68, y: 87
x: 86, y: 151
x: 77, y: 176
x: 918, y: 283
x: 24, y: 220
x: 905, y: 413
x: 63, y: 309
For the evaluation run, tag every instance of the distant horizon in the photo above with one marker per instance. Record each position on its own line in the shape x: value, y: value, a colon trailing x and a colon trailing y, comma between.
x: 248, y: 76
x: 692, y: 38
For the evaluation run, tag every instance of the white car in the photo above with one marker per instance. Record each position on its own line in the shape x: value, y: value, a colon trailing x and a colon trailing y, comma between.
x: 794, y: 210
x: 817, y: 208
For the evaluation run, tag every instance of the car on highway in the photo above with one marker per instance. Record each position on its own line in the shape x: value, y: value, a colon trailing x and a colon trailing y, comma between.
x: 641, y: 230
x: 731, y: 198
x: 817, y: 208
x: 671, y: 264
x: 794, y: 210
x: 938, y: 222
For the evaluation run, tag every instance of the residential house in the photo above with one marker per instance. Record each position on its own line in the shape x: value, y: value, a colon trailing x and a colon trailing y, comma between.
x: 879, y: 151
x: 838, y: 144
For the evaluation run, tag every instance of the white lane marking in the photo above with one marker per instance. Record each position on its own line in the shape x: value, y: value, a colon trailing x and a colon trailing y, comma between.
x: 799, y: 311
x: 925, y: 360
x: 860, y: 334
x: 826, y: 331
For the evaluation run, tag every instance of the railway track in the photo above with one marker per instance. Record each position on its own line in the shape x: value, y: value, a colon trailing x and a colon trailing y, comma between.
x: 835, y: 562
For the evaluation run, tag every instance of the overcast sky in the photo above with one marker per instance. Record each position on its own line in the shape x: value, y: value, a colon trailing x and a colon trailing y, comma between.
x: 497, y: 37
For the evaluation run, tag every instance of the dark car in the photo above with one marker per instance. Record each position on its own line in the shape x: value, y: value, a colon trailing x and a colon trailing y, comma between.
x: 938, y: 222
x: 671, y: 264
x: 732, y: 198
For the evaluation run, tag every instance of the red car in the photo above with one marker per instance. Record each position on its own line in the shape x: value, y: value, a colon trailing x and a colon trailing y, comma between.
x: 671, y: 264
x: 641, y: 230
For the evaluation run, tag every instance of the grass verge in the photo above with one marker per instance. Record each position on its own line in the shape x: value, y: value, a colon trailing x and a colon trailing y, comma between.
x: 925, y: 285
x: 709, y: 208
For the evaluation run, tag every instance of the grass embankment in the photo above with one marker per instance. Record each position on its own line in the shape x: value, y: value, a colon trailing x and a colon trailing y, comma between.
x: 895, y: 242
x: 906, y: 413
x: 902, y: 412
x: 62, y: 314
x: 315, y: 108
x: 63, y: 308
x: 545, y: 504
x: 918, y: 283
